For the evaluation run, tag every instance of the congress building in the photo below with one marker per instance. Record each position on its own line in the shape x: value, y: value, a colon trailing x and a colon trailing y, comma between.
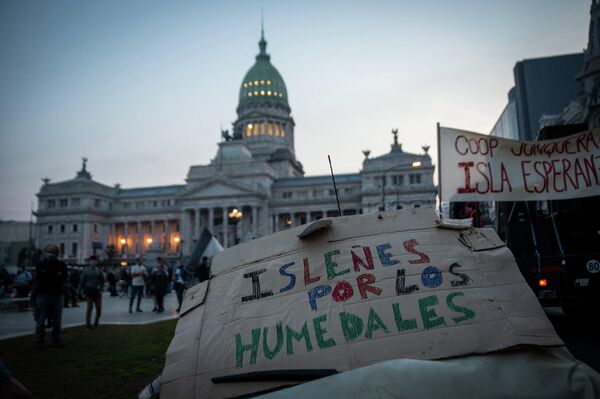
x: 254, y: 186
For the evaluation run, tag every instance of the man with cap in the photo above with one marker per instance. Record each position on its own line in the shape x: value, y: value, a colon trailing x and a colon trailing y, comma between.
x: 51, y: 276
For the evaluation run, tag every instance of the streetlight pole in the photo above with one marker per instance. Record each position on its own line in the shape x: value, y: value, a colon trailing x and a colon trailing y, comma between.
x: 235, y: 215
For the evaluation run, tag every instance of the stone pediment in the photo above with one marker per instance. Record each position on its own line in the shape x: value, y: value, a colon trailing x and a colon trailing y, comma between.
x: 219, y: 188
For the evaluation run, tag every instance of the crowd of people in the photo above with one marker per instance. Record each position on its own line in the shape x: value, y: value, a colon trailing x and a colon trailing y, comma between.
x: 53, y: 286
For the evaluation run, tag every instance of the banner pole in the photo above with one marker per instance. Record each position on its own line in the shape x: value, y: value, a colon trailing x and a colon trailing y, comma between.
x: 439, y: 170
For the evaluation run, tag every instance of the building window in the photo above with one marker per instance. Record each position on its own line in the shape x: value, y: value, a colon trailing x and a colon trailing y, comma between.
x: 97, y: 203
x: 282, y: 131
x: 74, y: 228
x: 277, y: 130
x: 287, y: 195
x: 51, y: 204
x: 62, y: 228
x: 61, y: 248
x: 415, y: 179
x: 270, y: 126
x: 155, y: 204
x: 75, y: 202
x: 95, y: 228
x: 126, y: 205
x: 74, y: 249
x: 398, y: 180
x: 50, y: 228
x: 64, y: 203
x: 331, y: 193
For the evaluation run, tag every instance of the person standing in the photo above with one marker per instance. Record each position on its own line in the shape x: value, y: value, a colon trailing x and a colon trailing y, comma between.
x: 91, y: 283
x: 138, y: 272
x: 74, y: 275
x: 51, y: 275
x: 180, y: 283
x: 160, y: 281
x: 112, y: 282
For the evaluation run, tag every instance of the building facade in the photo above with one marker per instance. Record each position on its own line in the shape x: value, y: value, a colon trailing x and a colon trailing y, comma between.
x: 254, y: 186
x: 543, y: 86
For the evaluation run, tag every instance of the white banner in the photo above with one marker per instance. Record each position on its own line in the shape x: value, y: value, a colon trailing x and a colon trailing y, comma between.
x: 476, y: 167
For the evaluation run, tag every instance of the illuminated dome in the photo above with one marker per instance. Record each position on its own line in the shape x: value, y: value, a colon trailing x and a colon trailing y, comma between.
x: 263, y: 83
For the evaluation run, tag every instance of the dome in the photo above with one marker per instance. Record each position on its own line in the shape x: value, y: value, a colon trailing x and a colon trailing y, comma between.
x: 262, y: 82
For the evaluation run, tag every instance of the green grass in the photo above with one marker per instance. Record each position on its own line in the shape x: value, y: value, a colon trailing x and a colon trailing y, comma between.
x: 108, y: 362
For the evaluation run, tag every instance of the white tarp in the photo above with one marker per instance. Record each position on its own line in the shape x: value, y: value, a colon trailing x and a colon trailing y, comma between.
x: 369, y: 288
x: 522, y: 373
x: 476, y: 167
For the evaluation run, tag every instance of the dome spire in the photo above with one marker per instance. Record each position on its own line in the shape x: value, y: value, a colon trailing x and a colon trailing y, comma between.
x: 262, y: 44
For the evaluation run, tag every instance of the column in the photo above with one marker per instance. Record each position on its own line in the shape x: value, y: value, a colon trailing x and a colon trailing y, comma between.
x: 211, y: 220
x: 125, y: 233
x: 186, y: 236
x: 153, y: 231
x: 254, y: 222
x: 225, y: 226
x: 112, y: 232
x: 198, y: 224
x: 167, y: 249
x: 140, y: 239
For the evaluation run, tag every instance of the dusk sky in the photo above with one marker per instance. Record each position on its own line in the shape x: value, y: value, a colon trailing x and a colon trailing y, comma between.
x: 142, y: 87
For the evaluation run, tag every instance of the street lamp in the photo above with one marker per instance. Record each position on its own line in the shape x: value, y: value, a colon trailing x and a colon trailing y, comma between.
x: 235, y: 215
x: 177, y: 241
x: 123, y: 242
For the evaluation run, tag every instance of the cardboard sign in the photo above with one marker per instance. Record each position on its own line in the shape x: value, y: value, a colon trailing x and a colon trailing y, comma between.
x: 369, y: 288
x: 476, y: 167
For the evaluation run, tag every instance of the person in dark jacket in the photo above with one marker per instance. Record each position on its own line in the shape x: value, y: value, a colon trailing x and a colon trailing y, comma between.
x: 111, y: 277
x: 202, y: 271
x: 160, y: 281
x: 74, y: 283
x: 91, y: 285
x: 51, y: 275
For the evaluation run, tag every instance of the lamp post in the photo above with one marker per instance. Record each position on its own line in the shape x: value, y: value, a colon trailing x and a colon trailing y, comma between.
x: 235, y: 215
x: 177, y: 242
x: 414, y: 164
x: 123, y: 242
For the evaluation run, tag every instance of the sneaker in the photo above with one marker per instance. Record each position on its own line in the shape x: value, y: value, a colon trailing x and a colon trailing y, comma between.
x: 88, y: 327
x: 96, y: 324
x: 139, y: 310
x: 130, y: 311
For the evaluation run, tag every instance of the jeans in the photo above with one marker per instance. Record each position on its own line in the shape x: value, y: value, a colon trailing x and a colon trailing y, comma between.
x: 179, y: 288
x: 48, y: 307
x: 136, y: 290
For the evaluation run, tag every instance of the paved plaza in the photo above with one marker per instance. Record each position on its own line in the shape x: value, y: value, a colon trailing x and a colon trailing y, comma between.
x: 115, y: 310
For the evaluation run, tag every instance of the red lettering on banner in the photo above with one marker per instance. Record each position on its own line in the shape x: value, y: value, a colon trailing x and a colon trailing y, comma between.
x: 410, y: 247
x: 524, y: 175
x: 483, y: 145
x: 467, y: 188
x: 364, y: 282
x: 557, y: 173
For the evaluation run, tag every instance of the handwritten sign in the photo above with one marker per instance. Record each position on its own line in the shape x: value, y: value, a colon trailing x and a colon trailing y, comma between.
x: 368, y: 290
x: 475, y: 167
